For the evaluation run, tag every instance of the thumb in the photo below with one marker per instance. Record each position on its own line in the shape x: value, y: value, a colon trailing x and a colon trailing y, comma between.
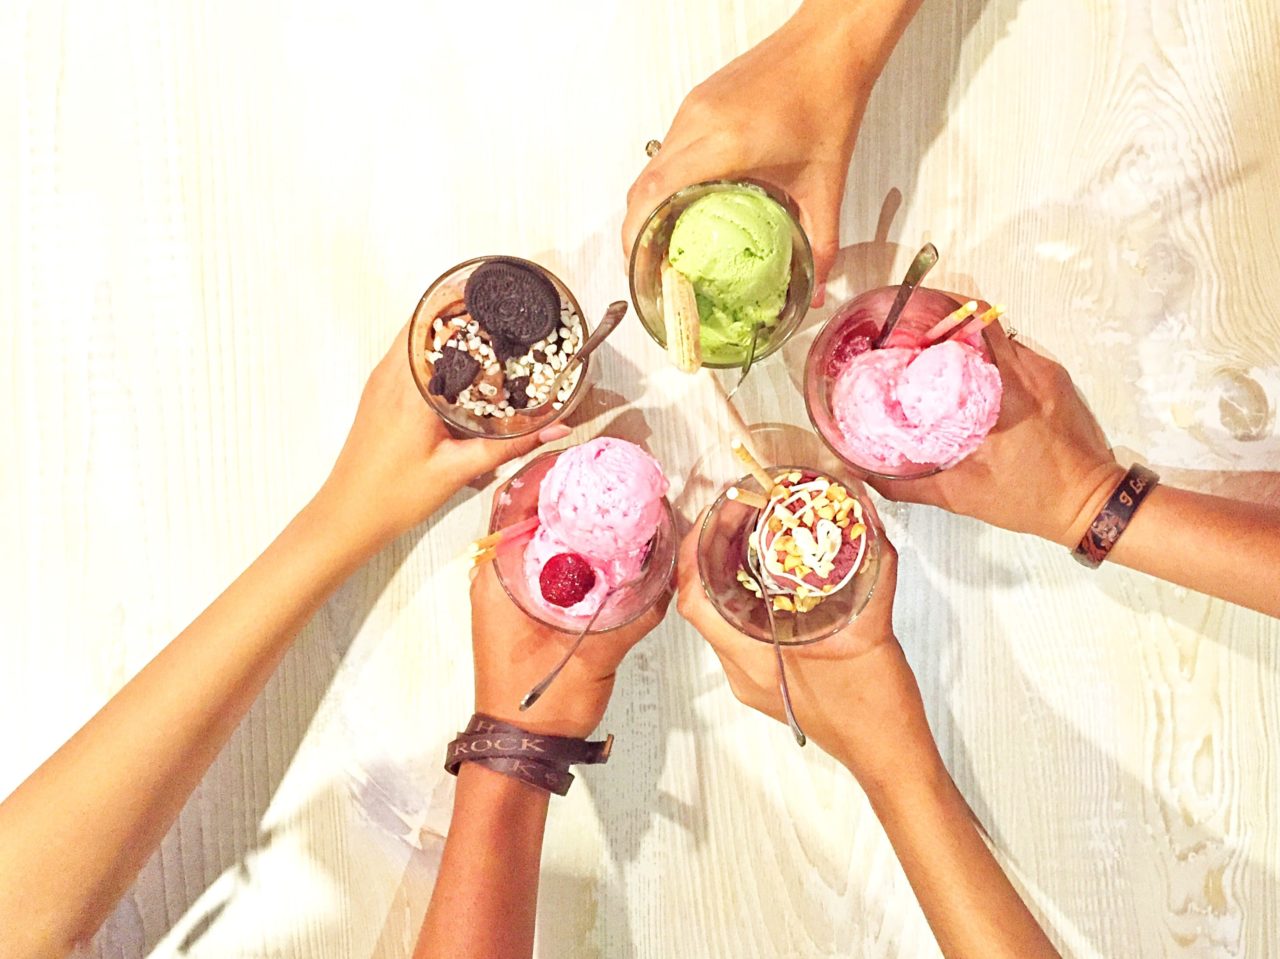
x: 680, y: 163
x: 649, y: 189
x: 476, y: 457
x: 902, y: 491
x: 820, y: 217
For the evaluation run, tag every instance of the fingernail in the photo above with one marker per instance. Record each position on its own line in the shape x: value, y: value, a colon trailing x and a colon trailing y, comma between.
x: 552, y: 433
x: 819, y: 296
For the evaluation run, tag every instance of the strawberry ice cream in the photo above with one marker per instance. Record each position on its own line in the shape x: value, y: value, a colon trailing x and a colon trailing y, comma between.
x: 598, y: 509
x: 902, y: 405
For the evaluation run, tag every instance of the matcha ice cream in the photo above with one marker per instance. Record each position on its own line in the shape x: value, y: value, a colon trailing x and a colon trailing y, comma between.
x: 735, y: 248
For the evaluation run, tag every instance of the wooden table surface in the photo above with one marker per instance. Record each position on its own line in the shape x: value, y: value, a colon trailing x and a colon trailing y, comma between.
x: 216, y: 216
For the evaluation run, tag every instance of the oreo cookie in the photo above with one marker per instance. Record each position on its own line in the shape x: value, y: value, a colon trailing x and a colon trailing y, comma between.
x: 517, y: 392
x: 516, y: 306
x: 452, y: 373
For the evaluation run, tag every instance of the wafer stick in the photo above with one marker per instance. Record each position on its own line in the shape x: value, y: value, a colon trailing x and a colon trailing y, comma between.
x: 753, y: 467
x: 482, y: 557
x: 498, y: 537
x: 681, y: 320
x: 978, y: 322
x: 951, y: 321
x: 747, y: 498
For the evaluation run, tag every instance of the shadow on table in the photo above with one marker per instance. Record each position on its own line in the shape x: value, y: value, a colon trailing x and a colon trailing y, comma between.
x: 227, y: 808
x: 1188, y: 852
x: 938, y: 644
x: 934, y: 638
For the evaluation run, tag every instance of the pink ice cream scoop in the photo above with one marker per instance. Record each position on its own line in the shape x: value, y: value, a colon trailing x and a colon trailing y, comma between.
x: 603, y: 502
x: 901, y: 405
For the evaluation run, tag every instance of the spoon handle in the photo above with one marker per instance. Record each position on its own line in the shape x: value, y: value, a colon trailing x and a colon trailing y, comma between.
x: 751, y: 358
x: 608, y: 323
x: 783, y: 688
x: 533, y: 695
x: 920, y: 266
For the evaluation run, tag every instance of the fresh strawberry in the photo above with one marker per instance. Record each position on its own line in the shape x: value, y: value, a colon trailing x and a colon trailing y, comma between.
x: 566, y: 579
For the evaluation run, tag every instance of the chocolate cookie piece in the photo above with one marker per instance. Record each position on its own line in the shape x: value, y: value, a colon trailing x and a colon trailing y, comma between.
x: 451, y: 310
x: 516, y: 395
x: 515, y: 305
x: 453, y: 373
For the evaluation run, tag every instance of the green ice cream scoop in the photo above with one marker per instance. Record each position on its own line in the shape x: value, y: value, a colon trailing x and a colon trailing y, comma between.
x: 735, y: 248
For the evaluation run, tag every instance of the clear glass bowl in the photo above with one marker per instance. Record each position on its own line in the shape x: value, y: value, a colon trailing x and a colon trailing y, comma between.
x: 516, y: 500
x: 650, y: 252
x: 447, y: 289
x: 722, y: 551
x: 867, y: 311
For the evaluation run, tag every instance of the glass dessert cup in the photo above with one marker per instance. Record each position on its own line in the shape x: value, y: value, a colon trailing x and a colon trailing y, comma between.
x: 652, y: 246
x: 867, y: 312
x: 447, y: 289
x: 722, y: 551
x: 517, y: 500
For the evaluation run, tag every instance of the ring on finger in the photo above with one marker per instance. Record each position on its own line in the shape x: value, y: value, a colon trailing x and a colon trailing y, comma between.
x: 652, y: 147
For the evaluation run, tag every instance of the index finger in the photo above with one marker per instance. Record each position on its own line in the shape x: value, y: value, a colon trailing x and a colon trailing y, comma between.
x: 687, y: 577
x: 1003, y: 350
x: 648, y: 190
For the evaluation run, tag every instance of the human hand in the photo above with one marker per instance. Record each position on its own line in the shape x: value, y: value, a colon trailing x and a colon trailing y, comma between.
x: 1045, y: 468
x: 513, y: 652
x: 400, y: 463
x: 853, y: 693
x: 787, y: 113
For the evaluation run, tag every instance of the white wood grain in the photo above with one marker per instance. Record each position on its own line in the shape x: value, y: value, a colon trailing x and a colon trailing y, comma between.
x: 218, y: 214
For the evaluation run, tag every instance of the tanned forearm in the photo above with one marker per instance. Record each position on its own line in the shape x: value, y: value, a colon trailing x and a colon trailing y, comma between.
x: 1218, y: 546
x: 74, y: 835
x: 865, y: 31
x: 973, y: 909
x: 486, y: 895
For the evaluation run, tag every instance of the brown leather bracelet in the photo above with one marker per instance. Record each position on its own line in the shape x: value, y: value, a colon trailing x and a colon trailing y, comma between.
x: 538, y: 760
x: 1114, y: 517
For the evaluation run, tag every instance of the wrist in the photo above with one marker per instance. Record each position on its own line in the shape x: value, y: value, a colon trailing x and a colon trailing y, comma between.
x: 346, y: 523
x: 914, y: 777
x: 1097, y: 488
x: 889, y: 758
x: 570, y: 727
x: 487, y: 789
x: 859, y: 34
x: 363, y: 520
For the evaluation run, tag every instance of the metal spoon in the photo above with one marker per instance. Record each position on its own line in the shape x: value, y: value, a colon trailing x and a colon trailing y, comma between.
x: 608, y: 323
x: 920, y: 266
x: 754, y: 571
x: 533, y: 695
x: 751, y: 358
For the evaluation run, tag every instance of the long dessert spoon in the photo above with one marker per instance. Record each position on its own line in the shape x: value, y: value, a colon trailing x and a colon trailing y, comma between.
x: 754, y: 571
x: 533, y: 695
x: 919, y: 268
x: 608, y: 323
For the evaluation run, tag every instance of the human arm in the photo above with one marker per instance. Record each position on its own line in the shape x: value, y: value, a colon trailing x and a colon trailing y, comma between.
x: 786, y: 112
x: 489, y: 870
x: 855, y: 696
x: 1046, y: 469
x: 76, y: 832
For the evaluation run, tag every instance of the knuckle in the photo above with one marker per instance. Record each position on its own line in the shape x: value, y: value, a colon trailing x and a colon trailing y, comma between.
x: 697, y: 105
x: 740, y: 693
x: 685, y: 603
x: 647, y: 185
x: 825, y: 249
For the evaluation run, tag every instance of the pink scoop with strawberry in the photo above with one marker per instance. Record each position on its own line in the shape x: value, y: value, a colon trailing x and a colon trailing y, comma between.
x: 598, y: 509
